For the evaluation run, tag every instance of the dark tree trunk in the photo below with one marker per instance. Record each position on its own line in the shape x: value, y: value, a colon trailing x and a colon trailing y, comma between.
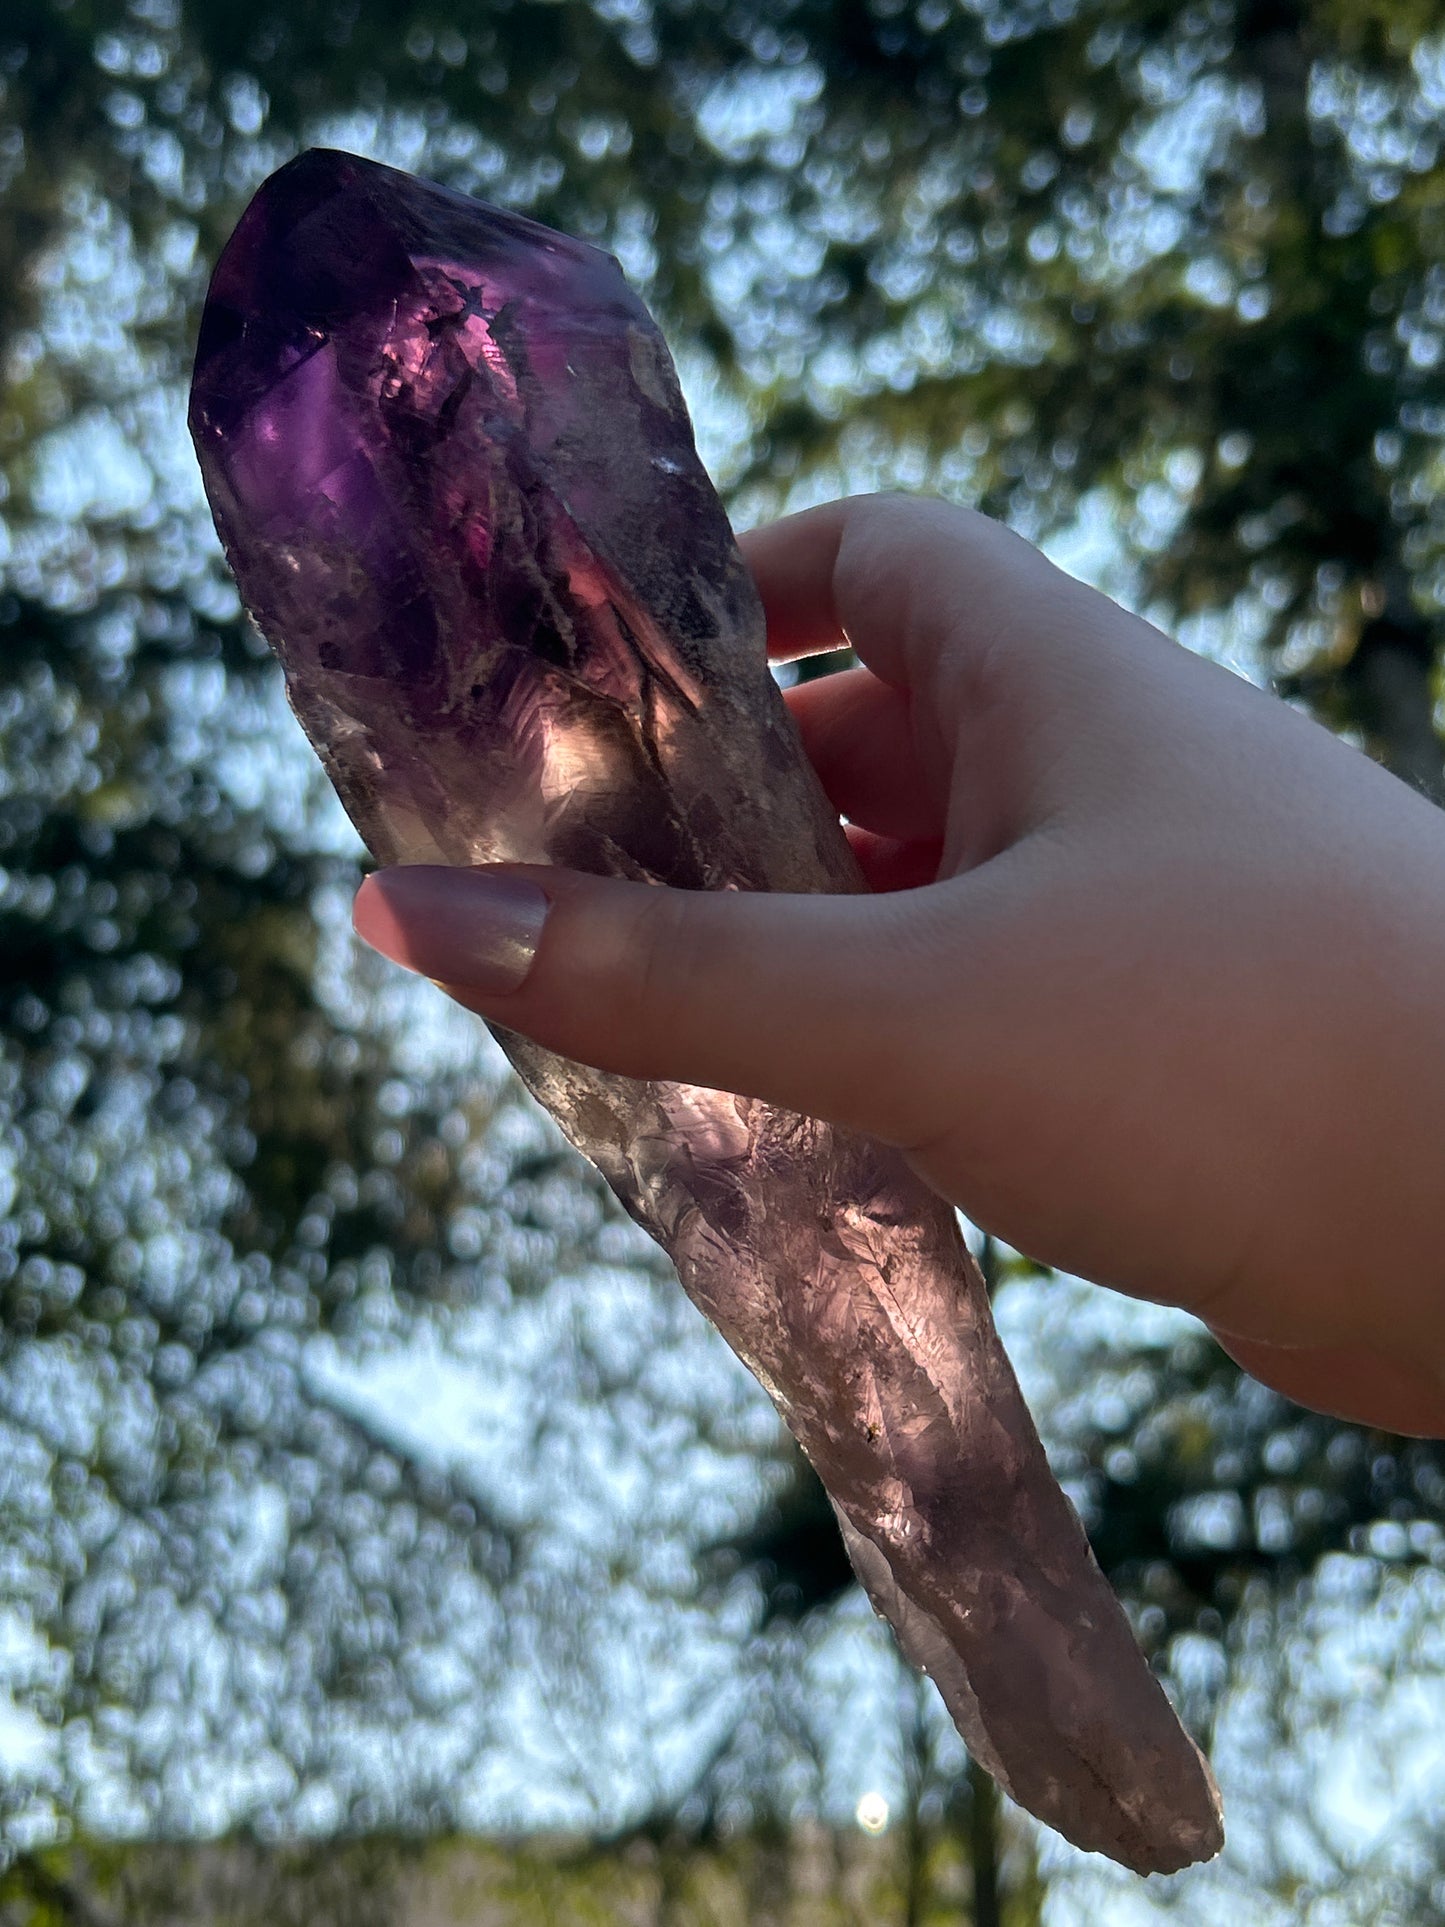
x: 983, y: 1817
x: 1391, y: 677
x: 770, y: 1876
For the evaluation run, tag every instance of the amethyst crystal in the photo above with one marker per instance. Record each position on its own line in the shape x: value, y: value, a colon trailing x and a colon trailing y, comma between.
x: 456, y: 480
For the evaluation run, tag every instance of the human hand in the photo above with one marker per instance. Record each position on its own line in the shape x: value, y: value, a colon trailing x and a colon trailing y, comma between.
x: 1153, y: 986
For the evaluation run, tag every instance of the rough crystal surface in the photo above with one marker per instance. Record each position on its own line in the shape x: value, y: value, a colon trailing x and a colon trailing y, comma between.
x: 456, y: 480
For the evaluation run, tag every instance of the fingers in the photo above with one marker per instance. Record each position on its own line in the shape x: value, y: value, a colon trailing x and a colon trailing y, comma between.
x: 806, y: 1001
x: 816, y: 595
x: 901, y: 579
x: 1348, y: 1382
x: 998, y: 653
x: 792, y: 564
x: 890, y: 864
x: 859, y: 736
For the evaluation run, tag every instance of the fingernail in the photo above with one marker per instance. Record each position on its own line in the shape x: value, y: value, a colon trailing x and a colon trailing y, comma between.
x: 473, y: 928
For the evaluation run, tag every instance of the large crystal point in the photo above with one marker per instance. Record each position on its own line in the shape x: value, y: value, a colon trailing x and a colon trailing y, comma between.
x: 454, y: 475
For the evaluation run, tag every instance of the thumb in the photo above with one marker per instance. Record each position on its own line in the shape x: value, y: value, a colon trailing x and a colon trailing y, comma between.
x: 816, y: 1003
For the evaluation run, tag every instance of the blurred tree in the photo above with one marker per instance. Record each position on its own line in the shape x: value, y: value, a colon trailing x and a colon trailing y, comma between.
x: 1165, y: 269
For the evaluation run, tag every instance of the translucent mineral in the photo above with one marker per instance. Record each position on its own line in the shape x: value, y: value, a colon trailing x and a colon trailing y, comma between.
x: 456, y: 480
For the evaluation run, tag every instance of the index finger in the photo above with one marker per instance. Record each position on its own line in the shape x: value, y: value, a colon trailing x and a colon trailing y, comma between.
x: 792, y: 562
x: 905, y: 581
x: 792, y: 565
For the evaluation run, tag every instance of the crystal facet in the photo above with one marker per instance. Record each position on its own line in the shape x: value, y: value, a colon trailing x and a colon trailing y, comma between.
x: 454, y: 475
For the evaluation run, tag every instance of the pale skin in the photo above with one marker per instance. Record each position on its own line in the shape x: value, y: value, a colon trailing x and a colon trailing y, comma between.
x: 1152, y: 985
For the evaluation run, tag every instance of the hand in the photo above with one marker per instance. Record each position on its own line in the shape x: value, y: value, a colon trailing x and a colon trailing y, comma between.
x: 1153, y: 987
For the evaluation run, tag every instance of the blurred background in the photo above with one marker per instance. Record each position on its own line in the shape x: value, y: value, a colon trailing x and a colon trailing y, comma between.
x: 382, y: 1537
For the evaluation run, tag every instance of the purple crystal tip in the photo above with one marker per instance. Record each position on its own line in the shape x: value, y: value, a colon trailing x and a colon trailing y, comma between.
x: 330, y: 242
x: 385, y: 370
